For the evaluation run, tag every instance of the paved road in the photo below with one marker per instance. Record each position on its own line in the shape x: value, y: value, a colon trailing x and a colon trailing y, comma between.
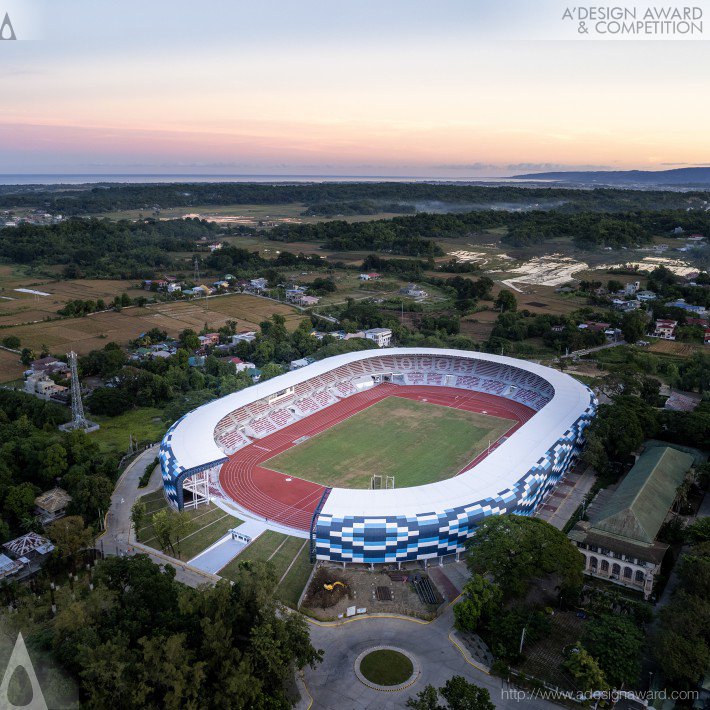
x: 118, y: 537
x: 333, y: 685
x: 567, y: 500
x: 587, y: 351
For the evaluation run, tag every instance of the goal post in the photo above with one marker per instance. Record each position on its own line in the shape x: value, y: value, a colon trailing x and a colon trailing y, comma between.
x: 378, y: 481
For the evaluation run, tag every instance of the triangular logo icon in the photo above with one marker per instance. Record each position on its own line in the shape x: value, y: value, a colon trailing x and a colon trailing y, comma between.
x: 6, y: 29
x: 21, y: 658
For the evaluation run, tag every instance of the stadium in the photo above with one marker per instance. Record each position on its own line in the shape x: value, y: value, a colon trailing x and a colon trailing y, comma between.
x: 382, y: 456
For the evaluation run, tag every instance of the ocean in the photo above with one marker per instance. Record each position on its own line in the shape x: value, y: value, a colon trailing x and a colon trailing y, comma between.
x: 83, y: 179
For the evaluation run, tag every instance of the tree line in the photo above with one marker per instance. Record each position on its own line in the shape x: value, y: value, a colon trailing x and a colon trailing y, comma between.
x: 96, y: 198
x: 103, y: 248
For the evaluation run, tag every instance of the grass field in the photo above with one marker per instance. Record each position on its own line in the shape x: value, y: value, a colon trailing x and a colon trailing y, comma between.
x: 145, y: 424
x: 386, y: 667
x: 208, y: 523
x: 416, y: 442
x: 287, y: 556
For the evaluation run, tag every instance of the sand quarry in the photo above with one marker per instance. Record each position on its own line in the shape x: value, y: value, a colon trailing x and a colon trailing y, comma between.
x: 553, y: 270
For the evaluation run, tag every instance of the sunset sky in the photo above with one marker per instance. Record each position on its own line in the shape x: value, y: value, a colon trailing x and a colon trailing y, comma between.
x: 393, y: 87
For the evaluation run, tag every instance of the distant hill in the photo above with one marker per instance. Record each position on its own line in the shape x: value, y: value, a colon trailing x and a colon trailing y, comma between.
x: 678, y: 176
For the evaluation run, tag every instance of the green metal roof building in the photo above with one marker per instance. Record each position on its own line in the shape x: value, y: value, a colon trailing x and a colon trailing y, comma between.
x: 619, y: 540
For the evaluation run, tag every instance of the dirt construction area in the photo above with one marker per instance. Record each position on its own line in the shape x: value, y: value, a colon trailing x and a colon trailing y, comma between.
x: 377, y: 592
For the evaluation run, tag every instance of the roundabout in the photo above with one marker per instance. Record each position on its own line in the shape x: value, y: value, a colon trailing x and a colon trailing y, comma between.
x: 387, y: 668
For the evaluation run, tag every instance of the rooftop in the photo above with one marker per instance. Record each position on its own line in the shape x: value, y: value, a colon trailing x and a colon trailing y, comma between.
x: 54, y: 500
x: 31, y: 542
x: 640, y: 504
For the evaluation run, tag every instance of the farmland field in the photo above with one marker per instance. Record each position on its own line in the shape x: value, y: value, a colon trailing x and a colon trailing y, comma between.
x: 17, y: 307
x: 417, y: 442
x: 676, y: 348
x: 10, y: 366
x: 94, y: 331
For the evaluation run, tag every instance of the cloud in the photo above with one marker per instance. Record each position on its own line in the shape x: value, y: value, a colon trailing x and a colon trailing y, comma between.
x: 546, y: 167
x: 467, y: 166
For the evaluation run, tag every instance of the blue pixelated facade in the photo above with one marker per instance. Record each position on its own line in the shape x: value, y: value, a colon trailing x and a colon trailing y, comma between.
x: 173, y: 473
x: 392, y: 539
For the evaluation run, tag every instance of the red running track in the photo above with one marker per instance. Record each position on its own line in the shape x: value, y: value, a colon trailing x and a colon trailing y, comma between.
x: 291, y: 501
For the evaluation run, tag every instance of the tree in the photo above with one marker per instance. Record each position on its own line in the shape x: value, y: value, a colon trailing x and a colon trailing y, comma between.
x: 138, y: 511
x: 27, y: 356
x: 69, y: 535
x: 170, y: 527
x: 683, y: 660
x: 506, y: 301
x: 55, y: 461
x: 92, y: 496
x: 270, y: 370
x: 427, y: 699
x: 189, y: 340
x: 615, y: 642
x: 110, y: 401
x: 11, y: 341
x: 613, y: 285
x: 458, y: 693
x: 699, y: 531
x: 585, y: 670
x: 516, y: 550
x: 694, y: 372
x: 481, y: 599
x: 462, y: 695
x: 19, y: 501
x: 633, y: 326
x: 694, y: 570
x: 619, y: 429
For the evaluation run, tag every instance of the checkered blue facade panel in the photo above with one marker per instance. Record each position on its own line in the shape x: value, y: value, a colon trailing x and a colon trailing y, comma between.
x: 431, y: 534
x: 173, y: 473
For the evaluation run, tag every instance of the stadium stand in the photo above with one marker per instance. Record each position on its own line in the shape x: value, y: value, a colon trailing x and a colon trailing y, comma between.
x: 509, y: 476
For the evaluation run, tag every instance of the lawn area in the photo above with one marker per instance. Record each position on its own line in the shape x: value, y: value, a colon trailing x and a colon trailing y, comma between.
x: 154, y: 502
x: 207, y: 525
x: 145, y: 424
x: 289, y: 591
x: 416, y: 442
x: 279, y: 551
x: 260, y: 550
x: 386, y: 667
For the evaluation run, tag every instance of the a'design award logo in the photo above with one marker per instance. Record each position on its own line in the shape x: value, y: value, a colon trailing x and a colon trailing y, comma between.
x: 7, y: 31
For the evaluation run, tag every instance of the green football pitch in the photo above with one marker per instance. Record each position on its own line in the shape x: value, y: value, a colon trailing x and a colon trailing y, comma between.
x: 416, y: 442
